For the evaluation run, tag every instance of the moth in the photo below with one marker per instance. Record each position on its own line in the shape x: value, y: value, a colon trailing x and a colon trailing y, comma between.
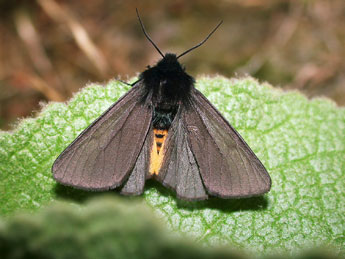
x: 163, y: 128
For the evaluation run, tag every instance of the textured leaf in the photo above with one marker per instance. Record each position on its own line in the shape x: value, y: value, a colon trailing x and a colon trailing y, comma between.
x: 301, y: 143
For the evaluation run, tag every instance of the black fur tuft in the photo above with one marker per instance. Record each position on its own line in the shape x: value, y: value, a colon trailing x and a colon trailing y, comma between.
x: 162, y: 119
x: 167, y: 82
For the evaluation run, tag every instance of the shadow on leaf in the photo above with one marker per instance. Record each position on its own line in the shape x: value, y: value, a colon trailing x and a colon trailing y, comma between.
x: 77, y: 195
x: 225, y: 205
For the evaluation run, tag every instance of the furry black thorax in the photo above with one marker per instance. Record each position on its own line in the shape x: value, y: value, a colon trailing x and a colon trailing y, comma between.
x: 167, y: 85
x: 167, y: 82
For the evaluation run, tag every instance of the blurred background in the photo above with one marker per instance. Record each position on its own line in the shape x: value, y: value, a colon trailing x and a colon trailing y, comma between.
x: 51, y: 48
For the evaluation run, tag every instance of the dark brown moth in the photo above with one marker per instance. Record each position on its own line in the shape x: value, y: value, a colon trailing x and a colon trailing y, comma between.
x: 163, y: 128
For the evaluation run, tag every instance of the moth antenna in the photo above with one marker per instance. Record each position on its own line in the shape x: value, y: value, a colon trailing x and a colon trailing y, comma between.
x: 147, y: 36
x: 129, y: 84
x: 124, y: 82
x: 198, y: 45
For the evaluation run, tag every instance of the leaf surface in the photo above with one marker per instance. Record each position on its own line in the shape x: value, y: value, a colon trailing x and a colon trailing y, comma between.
x: 301, y: 142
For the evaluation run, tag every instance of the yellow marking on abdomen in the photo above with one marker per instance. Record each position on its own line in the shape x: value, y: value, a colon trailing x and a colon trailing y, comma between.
x: 156, y: 157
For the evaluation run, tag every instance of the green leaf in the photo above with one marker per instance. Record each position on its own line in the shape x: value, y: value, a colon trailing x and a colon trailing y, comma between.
x: 301, y: 143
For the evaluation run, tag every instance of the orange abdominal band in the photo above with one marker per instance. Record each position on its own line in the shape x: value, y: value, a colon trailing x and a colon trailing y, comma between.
x: 158, y: 145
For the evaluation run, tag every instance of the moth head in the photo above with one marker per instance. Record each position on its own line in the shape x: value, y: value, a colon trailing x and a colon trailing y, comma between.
x: 169, y: 65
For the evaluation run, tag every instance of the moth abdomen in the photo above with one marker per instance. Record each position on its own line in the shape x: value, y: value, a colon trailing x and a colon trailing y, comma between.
x: 159, y: 138
x: 163, y: 117
x: 156, y: 156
